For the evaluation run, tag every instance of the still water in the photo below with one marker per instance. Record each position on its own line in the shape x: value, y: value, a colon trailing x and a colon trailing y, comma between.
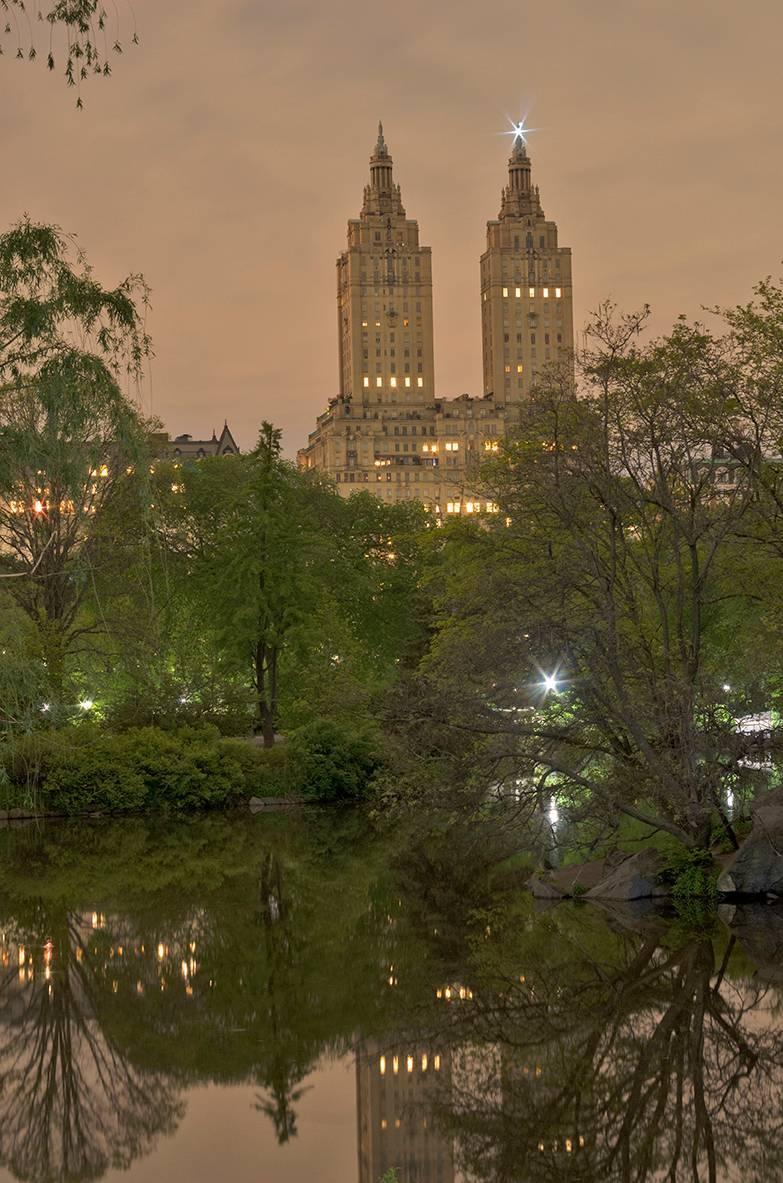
x: 294, y: 998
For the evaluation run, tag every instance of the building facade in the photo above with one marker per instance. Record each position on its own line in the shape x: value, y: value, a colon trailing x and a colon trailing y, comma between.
x: 388, y: 431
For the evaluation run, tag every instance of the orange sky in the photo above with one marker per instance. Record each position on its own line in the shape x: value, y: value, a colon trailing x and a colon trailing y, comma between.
x: 226, y: 153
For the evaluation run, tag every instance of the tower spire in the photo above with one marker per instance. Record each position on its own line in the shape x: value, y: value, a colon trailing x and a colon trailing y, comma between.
x: 380, y: 147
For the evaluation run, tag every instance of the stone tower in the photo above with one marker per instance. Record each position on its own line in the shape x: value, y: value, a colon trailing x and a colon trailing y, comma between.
x: 526, y: 293
x: 384, y: 298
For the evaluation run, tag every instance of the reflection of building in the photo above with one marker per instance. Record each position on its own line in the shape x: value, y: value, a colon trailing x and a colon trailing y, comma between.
x: 387, y: 431
x: 396, y: 1087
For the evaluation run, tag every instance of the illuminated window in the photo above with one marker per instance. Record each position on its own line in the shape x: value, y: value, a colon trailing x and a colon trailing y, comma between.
x: 409, y: 1063
x: 366, y: 380
x: 406, y: 322
x: 377, y: 324
x: 531, y: 292
x: 407, y: 381
x: 518, y: 293
x: 558, y: 293
x: 379, y: 381
x: 364, y: 324
x: 394, y: 382
x: 383, y: 1065
x: 505, y: 291
x: 492, y: 507
x: 452, y: 446
x: 419, y: 381
x: 395, y: 1064
x: 520, y: 367
x: 451, y: 507
x: 469, y: 506
x: 546, y: 293
x: 507, y: 369
x: 384, y: 1123
x: 424, y: 1062
x: 436, y: 1063
x: 484, y: 296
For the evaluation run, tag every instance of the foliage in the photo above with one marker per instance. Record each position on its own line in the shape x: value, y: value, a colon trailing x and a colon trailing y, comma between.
x: 86, y: 769
x: 332, y: 763
x: 86, y: 34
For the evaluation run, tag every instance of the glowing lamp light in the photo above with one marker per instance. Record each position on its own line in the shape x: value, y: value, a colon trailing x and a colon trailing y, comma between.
x: 86, y: 704
x: 726, y: 687
x: 550, y: 683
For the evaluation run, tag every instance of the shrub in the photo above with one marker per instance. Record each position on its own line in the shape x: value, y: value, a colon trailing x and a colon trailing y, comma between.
x: 691, y: 874
x: 328, y: 762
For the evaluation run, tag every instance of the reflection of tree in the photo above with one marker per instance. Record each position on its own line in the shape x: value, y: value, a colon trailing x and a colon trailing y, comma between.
x: 72, y: 1103
x: 653, y: 1066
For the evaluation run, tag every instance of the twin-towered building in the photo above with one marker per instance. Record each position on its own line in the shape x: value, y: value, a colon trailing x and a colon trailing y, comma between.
x: 388, y: 430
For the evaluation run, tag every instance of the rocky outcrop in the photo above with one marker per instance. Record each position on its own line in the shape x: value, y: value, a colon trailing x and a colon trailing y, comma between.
x: 636, y: 878
x: 543, y: 889
x: 757, y: 867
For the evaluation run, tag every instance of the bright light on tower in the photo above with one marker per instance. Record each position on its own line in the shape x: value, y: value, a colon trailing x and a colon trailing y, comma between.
x: 518, y: 130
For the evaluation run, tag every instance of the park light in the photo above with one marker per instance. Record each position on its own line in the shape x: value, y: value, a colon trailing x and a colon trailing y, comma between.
x: 46, y: 706
x: 726, y: 687
x: 550, y: 683
x: 86, y: 704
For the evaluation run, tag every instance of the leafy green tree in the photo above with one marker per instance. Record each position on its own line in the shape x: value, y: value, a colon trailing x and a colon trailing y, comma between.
x: 67, y: 431
x: 588, y: 634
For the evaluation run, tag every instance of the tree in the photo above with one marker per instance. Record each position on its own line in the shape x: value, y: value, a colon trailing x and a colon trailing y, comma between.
x: 589, y: 632
x: 88, y: 37
x: 67, y: 432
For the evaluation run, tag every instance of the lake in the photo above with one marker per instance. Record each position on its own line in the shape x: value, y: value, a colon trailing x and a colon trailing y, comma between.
x: 297, y: 998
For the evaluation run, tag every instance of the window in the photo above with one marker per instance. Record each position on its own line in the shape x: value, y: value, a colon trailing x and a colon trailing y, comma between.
x: 520, y: 367
x: 507, y: 369
x: 541, y: 240
x: 377, y: 324
x: 505, y: 291
x: 518, y: 293
x: 365, y: 381
x: 531, y: 292
x: 364, y: 324
x: 546, y: 293
x: 558, y: 293
x: 452, y: 446
x: 379, y: 381
x: 407, y: 381
x: 405, y: 322
x: 546, y: 338
x: 393, y: 381
x: 451, y: 507
x: 419, y: 381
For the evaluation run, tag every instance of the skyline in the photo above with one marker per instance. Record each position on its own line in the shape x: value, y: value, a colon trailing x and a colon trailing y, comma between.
x: 220, y: 186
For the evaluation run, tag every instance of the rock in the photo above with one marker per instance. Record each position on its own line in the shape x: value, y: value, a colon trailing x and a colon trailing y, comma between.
x: 543, y: 890
x: 636, y: 878
x: 757, y: 867
x: 759, y: 930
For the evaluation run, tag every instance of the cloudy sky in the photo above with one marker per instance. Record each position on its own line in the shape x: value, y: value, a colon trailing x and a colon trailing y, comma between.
x: 226, y: 153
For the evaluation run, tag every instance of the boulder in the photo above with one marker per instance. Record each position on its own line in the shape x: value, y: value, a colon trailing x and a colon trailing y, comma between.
x: 757, y: 867
x: 542, y: 889
x: 636, y: 878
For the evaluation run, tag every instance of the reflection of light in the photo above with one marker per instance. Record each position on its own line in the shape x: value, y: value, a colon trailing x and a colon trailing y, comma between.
x: 161, y: 952
x: 95, y: 919
x: 436, y: 1063
x: 395, y: 1064
x: 424, y: 1062
x: 382, y: 1065
x: 22, y: 955
x: 409, y: 1063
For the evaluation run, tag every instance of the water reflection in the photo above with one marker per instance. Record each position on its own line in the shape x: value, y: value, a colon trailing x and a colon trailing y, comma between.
x: 491, y: 1041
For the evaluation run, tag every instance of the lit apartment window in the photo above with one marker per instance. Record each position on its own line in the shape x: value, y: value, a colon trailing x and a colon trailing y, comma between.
x: 452, y: 446
x: 405, y: 322
x: 407, y: 381
x: 436, y: 1061
x: 366, y: 380
x: 425, y: 447
x: 546, y: 293
x: 558, y: 293
x: 379, y: 381
x: 520, y: 367
x: 484, y: 296
x: 364, y: 324
x: 518, y: 293
x: 507, y: 369
x: 469, y: 506
x: 377, y: 324
x: 424, y: 1062
x: 419, y: 381
x: 492, y: 507
x: 451, y: 507
x: 505, y: 291
x: 393, y: 381
x: 531, y: 292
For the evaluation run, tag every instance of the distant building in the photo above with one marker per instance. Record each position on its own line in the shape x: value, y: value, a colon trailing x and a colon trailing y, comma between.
x: 184, y: 447
x: 387, y: 430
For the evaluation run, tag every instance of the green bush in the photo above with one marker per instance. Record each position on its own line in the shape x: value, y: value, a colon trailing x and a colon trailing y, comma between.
x: 83, y: 769
x: 691, y: 875
x: 328, y: 762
